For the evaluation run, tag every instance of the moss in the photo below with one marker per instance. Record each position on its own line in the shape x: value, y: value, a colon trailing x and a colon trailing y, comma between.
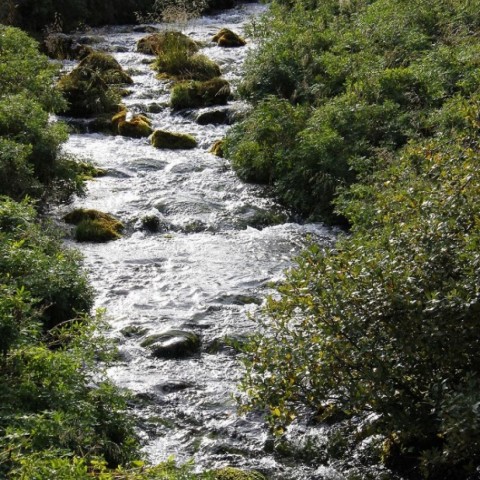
x: 227, y: 38
x: 90, y: 88
x: 193, y: 94
x: 94, y: 226
x: 181, y: 65
x: 88, y: 170
x: 135, y: 128
x: 230, y: 473
x: 160, y: 42
x: 217, y: 148
x: 163, y: 139
x: 64, y: 47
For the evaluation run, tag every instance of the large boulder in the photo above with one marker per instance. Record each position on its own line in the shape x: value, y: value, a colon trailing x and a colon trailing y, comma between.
x: 91, y: 87
x: 194, y: 94
x: 173, y: 344
x: 94, y: 226
x: 171, y: 140
x: 228, y: 39
x: 105, y: 65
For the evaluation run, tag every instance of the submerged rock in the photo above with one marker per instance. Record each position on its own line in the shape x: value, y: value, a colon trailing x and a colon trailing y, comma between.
x: 228, y: 39
x: 170, y: 140
x: 194, y: 94
x: 173, y: 344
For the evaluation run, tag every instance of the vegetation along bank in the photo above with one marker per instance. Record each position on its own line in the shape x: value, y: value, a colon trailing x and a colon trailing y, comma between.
x: 367, y: 112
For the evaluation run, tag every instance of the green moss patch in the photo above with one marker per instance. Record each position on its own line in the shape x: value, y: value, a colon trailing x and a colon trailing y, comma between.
x: 91, y: 88
x: 227, y: 38
x: 194, y: 94
x: 94, y: 226
x: 160, y: 42
x: 178, y: 141
x: 230, y: 473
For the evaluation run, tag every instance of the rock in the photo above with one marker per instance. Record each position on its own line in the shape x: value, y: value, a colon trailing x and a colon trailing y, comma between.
x: 110, y: 70
x: 145, y: 29
x: 230, y: 473
x: 213, y: 117
x: 64, y: 47
x: 227, y: 38
x: 153, y: 223
x: 173, y: 386
x: 217, y: 148
x: 94, y: 226
x: 135, y: 128
x: 89, y: 88
x: 134, y: 331
x: 159, y: 42
x: 170, y: 140
x: 194, y: 94
x: 180, y: 64
x: 173, y: 344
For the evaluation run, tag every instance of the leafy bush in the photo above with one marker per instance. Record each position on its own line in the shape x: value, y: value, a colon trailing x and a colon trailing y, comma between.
x: 31, y: 161
x: 388, y: 321
x: 374, y: 74
x: 54, y: 399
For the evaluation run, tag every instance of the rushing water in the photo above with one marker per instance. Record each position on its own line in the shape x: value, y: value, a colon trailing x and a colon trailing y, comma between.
x: 203, y: 272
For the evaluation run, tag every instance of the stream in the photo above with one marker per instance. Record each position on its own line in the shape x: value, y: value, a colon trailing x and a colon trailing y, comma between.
x: 204, y: 271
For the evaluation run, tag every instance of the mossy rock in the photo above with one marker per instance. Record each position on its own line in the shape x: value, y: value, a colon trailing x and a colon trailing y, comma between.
x: 64, y: 47
x: 218, y: 148
x: 170, y: 140
x: 110, y: 70
x: 159, y: 42
x: 135, y: 128
x: 213, y: 117
x: 94, y: 226
x: 87, y: 94
x: 228, y: 39
x: 173, y: 344
x: 181, y: 65
x: 90, y: 88
x: 195, y: 94
x: 230, y: 473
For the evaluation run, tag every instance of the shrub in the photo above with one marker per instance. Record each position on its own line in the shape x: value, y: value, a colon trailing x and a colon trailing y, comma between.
x: 31, y: 162
x: 387, y: 321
